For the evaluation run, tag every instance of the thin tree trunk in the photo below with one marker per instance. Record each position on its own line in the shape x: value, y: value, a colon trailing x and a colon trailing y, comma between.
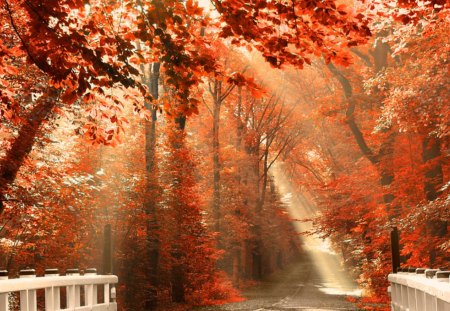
x: 150, y: 203
x: 178, y: 279
x: 386, y: 167
x: 216, y: 153
x: 239, y: 255
x: 434, y: 179
x: 258, y: 256
x: 257, y: 249
x: 240, y: 124
x: 380, y: 54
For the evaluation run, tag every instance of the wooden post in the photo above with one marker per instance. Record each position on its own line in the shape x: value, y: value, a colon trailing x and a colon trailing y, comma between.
x: 73, y: 291
x: 107, y: 251
x: 106, y: 293
x: 395, y: 249
x: 52, y: 294
x: 28, y: 301
x: 90, y: 290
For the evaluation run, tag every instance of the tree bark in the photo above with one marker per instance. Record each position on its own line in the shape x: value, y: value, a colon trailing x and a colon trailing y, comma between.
x: 219, y: 94
x: 178, y: 270
x: 240, y: 124
x: 150, y: 203
x: 239, y: 254
x: 217, y: 102
x: 383, y: 160
x: 23, y: 144
x: 257, y: 249
x: 380, y: 54
x: 434, y: 180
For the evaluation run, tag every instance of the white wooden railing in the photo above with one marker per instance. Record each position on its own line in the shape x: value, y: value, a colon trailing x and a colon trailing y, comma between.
x: 420, y: 290
x: 81, y: 291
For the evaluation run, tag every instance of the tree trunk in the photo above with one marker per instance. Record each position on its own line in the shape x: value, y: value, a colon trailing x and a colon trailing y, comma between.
x: 239, y: 255
x: 380, y: 54
x: 434, y: 179
x: 178, y: 281
x: 257, y: 248
x: 240, y: 124
x: 258, y: 258
x: 150, y: 203
x: 216, y: 153
x: 23, y: 144
x: 386, y: 168
x: 177, y: 269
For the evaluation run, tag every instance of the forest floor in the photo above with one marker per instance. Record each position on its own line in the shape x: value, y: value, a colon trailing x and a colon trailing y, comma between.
x: 301, y: 286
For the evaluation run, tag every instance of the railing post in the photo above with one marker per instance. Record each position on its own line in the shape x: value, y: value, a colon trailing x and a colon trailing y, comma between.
x: 4, y: 298
x: 73, y: 291
x: 106, y: 293
x: 113, y: 305
x: 411, y: 292
x: 420, y: 295
x: 431, y: 301
x: 90, y: 290
x: 113, y: 293
x: 52, y: 294
x: 395, y: 296
x: 395, y: 249
x: 442, y: 276
x: 28, y: 301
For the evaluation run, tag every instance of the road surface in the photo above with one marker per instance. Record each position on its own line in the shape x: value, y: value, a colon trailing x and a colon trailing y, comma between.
x: 302, y: 286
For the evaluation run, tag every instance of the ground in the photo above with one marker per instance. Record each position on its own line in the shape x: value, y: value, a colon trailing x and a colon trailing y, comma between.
x: 302, y: 286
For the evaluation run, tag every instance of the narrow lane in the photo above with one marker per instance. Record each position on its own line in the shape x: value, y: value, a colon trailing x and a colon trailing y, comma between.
x: 302, y: 286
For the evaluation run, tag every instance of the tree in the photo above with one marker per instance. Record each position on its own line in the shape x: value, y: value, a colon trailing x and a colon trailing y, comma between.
x: 417, y: 100
x: 82, y: 52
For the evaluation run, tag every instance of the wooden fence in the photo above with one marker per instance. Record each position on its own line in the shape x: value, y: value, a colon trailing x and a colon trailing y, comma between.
x: 52, y: 292
x: 420, y: 290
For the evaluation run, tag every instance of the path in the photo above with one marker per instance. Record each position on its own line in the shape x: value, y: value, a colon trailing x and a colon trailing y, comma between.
x: 299, y: 287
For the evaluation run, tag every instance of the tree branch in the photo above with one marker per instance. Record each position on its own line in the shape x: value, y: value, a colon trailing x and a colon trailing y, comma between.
x: 359, y: 137
x: 365, y: 58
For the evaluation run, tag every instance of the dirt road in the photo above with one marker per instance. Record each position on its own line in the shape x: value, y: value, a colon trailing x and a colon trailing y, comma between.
x: 303, y: 286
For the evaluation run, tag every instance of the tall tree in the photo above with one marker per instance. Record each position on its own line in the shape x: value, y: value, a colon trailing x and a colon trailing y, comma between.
x: 152, y: 186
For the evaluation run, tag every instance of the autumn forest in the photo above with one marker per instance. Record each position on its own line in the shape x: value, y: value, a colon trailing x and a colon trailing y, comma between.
x: 220, y: 138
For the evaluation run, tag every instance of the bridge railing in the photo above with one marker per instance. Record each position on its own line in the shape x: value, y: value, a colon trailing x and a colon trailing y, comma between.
x: 78, y: 292
x: 420, y: 290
